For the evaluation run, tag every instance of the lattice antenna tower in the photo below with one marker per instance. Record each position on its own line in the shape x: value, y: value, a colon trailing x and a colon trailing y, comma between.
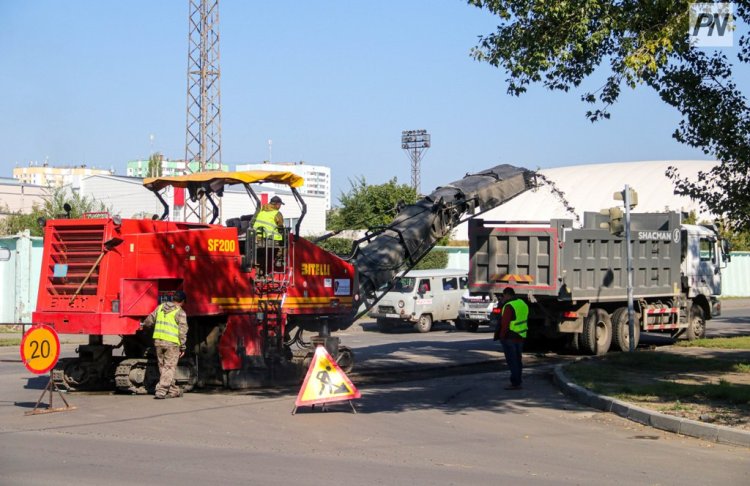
x: 415, y: 143
x: 203, y: 134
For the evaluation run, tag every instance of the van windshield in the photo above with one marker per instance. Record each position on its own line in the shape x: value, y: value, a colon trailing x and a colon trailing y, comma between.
x: 404, y: 285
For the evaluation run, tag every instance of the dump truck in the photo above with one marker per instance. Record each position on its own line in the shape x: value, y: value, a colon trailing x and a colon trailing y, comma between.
x: 575, y: 279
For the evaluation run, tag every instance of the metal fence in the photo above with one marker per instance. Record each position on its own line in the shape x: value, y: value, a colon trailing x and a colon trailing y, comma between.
x: 20, y: 267
x: 735, y: 279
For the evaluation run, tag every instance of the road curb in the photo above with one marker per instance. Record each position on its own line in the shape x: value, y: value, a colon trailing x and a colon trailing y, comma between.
x: 677, y: 425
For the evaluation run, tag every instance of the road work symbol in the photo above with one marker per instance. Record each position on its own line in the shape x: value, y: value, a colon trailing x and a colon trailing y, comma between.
x: 325, y: 382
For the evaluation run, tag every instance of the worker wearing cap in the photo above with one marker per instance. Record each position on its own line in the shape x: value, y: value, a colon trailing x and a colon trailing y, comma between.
x: 511, y: 330
x: 170, y: 334
x: 270, y: 221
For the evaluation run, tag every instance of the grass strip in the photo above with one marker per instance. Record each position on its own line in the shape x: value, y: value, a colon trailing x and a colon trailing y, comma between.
x: 739, y: 342
x: 649, y: 376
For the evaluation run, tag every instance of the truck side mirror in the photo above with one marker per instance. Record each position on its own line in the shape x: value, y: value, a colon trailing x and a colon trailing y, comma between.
x: 726, y: 251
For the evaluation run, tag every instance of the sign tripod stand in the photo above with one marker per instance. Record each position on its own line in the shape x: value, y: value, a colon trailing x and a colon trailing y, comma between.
x: 51, y: 386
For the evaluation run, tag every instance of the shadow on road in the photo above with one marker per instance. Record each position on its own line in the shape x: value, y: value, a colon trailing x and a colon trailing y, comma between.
x: 408, y: 328
x: 37, y: 383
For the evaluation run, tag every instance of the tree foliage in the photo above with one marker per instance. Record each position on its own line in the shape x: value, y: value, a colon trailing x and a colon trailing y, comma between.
x: 338, y: 246
x: 154, y: 164
x: 434, y: 259
x: 52, y: 208
x: 560, y: 44
x: 366, y: 206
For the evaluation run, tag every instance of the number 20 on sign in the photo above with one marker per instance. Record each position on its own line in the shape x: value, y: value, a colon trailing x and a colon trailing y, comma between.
x: 40, y: 349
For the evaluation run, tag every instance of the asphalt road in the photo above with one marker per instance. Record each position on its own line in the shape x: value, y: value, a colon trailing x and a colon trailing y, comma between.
x: 458, y: 429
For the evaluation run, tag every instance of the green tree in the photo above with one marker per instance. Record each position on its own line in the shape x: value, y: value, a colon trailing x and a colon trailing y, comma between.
x: 366, y: 206
x: 560, y: 44
x: 338, y: 246
x: 154, y: 164
x: 52, y: 208
x: 433, y: 259
x: 738, y: 240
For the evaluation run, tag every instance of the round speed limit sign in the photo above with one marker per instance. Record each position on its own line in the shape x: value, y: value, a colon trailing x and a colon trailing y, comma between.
x: 40, y: 349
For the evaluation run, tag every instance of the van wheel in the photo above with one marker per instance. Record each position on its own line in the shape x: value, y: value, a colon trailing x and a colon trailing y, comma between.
x: 472, y: 326
x: 597, y: 333
x: 697, y: 325
x: 384, y: 325
x: 460, y: 324
x: 621, y: 330
x: 424, y: 324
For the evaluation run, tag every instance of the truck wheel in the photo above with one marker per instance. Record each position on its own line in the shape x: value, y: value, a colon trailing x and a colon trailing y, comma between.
x: 621, y: 331
x: 574, y: 341
x: 472, y: 326
x: 384, y: 325
x: 460, y: 324
x: 697, y: 325
x: 597, y: 333
x: 424, y: 324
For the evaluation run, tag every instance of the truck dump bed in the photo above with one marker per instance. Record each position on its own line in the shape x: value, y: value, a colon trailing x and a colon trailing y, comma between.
x: 555, y: 260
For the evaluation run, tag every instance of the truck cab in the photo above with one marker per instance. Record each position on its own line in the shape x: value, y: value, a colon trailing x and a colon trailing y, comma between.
x: 702, y: 260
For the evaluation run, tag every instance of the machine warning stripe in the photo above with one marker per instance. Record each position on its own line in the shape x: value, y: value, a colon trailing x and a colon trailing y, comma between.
x: 249, y: 307
x: 325, y: 382
x: 508, y: 277
x: 663, y: 311
x: 288, y: 300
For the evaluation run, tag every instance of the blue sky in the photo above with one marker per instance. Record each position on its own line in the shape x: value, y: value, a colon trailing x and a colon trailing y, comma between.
x: 331, y: 82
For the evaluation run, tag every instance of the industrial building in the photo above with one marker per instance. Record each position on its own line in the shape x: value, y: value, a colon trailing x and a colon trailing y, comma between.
x: 17, y: 196
x: 317, y: 177
x: 139, y: 168
x: 47, y: 176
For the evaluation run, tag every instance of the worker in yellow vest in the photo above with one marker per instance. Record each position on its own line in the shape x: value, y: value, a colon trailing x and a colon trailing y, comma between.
x: 511, y: 329
x: 170, y: 335
x: 270, y: 222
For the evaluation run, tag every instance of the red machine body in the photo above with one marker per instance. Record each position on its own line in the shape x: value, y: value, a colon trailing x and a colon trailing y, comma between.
x: 156, y: 258
x: 103, y: 276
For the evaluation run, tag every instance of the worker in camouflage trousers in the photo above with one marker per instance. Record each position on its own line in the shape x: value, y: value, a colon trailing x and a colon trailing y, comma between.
x: 170, y: 334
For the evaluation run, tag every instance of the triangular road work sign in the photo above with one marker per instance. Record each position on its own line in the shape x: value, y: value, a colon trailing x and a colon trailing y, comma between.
x: 325, y: 382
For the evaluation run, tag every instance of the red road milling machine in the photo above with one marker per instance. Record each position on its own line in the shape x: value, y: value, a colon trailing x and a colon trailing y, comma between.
x: 250, y: 298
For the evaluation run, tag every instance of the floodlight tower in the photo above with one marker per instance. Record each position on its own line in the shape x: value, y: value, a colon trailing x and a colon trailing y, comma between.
x: 415, y: 143
x: 203, y: 134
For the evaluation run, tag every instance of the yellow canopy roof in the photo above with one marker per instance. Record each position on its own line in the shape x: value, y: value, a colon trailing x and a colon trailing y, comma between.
x: 216, y: 180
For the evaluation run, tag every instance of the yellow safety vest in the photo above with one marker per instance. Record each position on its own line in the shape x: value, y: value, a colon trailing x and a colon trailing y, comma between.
x: 266, y: 221
x: 166, y: 327
x: 519, y: 325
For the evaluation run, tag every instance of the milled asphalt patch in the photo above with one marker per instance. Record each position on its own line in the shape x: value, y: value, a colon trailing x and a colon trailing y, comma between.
x: 683, y: 426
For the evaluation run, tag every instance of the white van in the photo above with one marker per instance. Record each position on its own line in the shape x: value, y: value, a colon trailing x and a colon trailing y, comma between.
x: 421, y: 297
x: 474, y: 310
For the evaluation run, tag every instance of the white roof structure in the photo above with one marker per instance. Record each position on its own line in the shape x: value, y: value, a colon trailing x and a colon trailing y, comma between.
x: 591, y: 187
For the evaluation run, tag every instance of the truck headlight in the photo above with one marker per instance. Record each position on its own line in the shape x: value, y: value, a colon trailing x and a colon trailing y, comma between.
x: 400, y: 304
